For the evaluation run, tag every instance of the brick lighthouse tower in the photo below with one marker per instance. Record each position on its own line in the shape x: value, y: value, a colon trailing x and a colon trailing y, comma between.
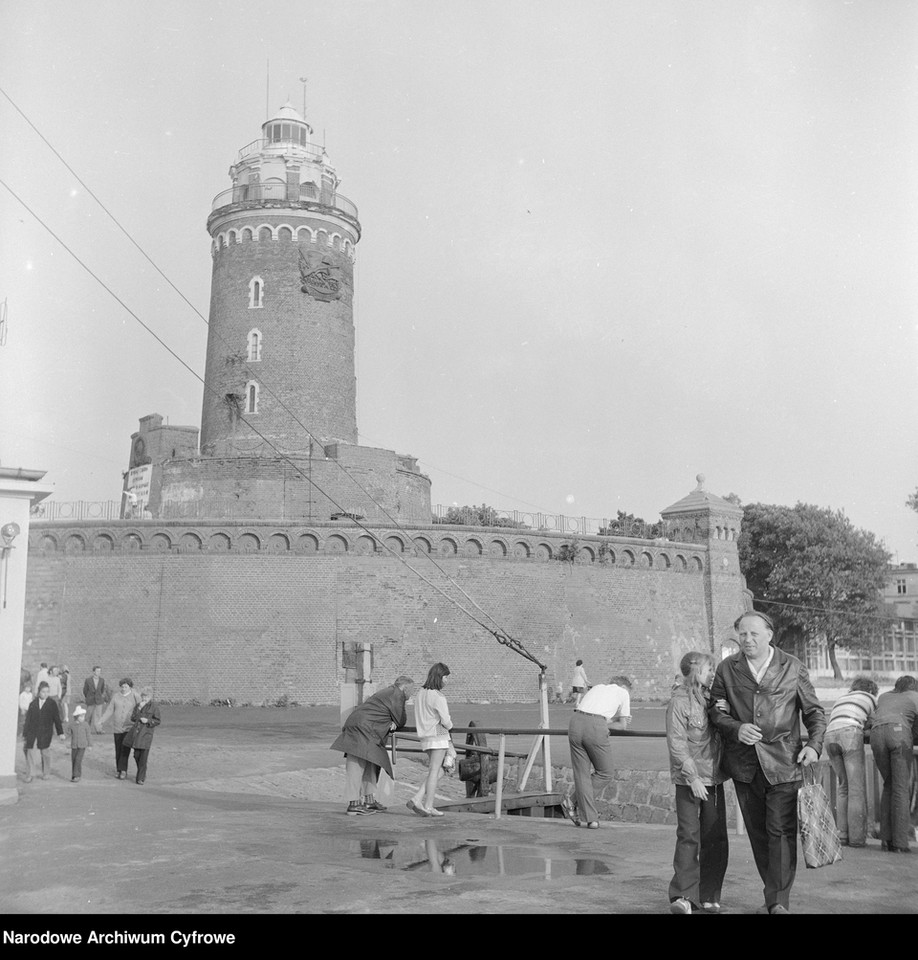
x: 279, y: 416
x: 281, y: 306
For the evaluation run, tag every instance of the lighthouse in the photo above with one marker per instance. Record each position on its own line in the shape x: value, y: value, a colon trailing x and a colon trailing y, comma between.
x: 280, y: 348
x: 278, y: 437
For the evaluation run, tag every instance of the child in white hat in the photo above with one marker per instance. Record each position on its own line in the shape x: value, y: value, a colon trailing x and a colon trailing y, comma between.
x: 80, y: 742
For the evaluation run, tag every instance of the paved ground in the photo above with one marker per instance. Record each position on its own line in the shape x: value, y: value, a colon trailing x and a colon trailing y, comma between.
x: 241, y: 814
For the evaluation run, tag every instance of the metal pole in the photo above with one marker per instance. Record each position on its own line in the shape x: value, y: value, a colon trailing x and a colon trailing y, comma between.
x: 544, y: 724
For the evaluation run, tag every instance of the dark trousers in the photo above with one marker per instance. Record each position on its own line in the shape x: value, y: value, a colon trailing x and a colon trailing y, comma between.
x: 122, y: 753
x: 891, y: 744
x: 76, y: 762
x: 770, y: 814
x: 140, y: 758
x: 702, y: 847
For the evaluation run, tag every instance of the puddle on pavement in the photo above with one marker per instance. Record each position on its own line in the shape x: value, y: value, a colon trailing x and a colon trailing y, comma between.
x: 470, y: 858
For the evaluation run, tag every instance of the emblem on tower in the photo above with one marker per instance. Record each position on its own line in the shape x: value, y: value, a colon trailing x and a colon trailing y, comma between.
x: 321, y: 278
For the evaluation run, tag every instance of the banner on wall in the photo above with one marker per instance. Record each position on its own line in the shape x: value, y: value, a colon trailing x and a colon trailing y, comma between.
x: 137, y: 492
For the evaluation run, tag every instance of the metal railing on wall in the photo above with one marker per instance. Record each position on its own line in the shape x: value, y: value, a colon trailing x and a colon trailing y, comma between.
x: 233, y: 508
x: 77, y: 510
x: 288, y: 193
x: 572, y: 525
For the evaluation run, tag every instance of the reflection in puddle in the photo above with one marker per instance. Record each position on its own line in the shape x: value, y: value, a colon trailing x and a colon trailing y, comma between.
x: 470, y: 858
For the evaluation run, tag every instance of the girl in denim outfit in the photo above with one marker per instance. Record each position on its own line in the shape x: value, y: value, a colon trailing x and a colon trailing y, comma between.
x: 700, y: 860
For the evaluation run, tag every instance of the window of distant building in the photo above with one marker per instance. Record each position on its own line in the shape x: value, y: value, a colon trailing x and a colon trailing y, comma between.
x: 902, y: 586
x: 256, y: 292
x: 251, y: 397
x: 254, y: 345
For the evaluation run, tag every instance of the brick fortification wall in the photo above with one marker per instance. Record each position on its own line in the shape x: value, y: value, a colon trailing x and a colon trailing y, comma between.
x: 184, y: 609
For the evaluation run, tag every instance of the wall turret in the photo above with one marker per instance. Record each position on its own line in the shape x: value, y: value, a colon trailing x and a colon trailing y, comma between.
x: 718, y: 522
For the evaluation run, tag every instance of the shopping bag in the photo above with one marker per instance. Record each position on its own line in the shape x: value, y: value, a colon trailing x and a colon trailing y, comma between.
x: 385, y: 788
x: 818, y: 833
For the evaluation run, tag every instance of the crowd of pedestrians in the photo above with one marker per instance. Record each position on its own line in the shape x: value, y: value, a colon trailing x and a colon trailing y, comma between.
x: 753, y: 718
x: 44, y: 711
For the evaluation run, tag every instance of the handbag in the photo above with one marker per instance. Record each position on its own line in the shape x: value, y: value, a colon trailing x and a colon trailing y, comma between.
x: 131, y: 735
x: 818, y: 832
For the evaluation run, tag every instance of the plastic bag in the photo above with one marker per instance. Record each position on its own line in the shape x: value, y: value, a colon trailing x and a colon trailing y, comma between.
x: 818, y: 833
x: 385, y: 787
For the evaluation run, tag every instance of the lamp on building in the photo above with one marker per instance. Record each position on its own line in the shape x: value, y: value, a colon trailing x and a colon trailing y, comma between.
x: 8, y: 533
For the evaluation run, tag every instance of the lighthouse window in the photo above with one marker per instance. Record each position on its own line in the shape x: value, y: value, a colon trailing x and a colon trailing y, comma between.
x: 254, y: 345
x: 251, y: 397
x: 256, y: 293
x: 285, y: 131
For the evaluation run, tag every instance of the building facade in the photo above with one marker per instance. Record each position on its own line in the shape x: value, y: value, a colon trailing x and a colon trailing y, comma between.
x: 898, y: 653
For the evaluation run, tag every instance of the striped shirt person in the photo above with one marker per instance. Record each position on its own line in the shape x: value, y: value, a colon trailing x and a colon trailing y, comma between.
x: 844, y: 745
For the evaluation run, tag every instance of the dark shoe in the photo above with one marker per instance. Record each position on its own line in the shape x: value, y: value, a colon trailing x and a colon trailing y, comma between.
x: 371, y: 803
x: 888, y: 847
x: 414, y: 808
x: 355, y: 809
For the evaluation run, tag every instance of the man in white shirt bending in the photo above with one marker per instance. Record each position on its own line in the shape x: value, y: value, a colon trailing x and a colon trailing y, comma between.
x: 604, y: 706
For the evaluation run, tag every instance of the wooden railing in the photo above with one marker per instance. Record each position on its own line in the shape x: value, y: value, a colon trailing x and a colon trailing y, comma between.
x: 825, y: 772
x: 410, y: 733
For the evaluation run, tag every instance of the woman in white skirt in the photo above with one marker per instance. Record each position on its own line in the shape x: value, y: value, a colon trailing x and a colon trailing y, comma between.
x: 433, y: 723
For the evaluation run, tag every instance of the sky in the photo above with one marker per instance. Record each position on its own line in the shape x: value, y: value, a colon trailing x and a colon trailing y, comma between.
x: 606, y: 245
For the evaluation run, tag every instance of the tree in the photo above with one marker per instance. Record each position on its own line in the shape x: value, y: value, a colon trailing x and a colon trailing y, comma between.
x: 814, y: 574
x: 568, y: 552
x: 475, y: 516
x: 913, y: 500
x: 628, y: 525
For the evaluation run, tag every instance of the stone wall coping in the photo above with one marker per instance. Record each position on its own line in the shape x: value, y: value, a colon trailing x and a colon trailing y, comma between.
x: 335, y: 539
x: 304, y: 526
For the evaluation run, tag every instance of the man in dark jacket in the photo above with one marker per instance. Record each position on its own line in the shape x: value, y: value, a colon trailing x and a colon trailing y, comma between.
x: 760, y: 695
x: 363, y: 741
x: 41, y: 720
x: 95, y: 693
